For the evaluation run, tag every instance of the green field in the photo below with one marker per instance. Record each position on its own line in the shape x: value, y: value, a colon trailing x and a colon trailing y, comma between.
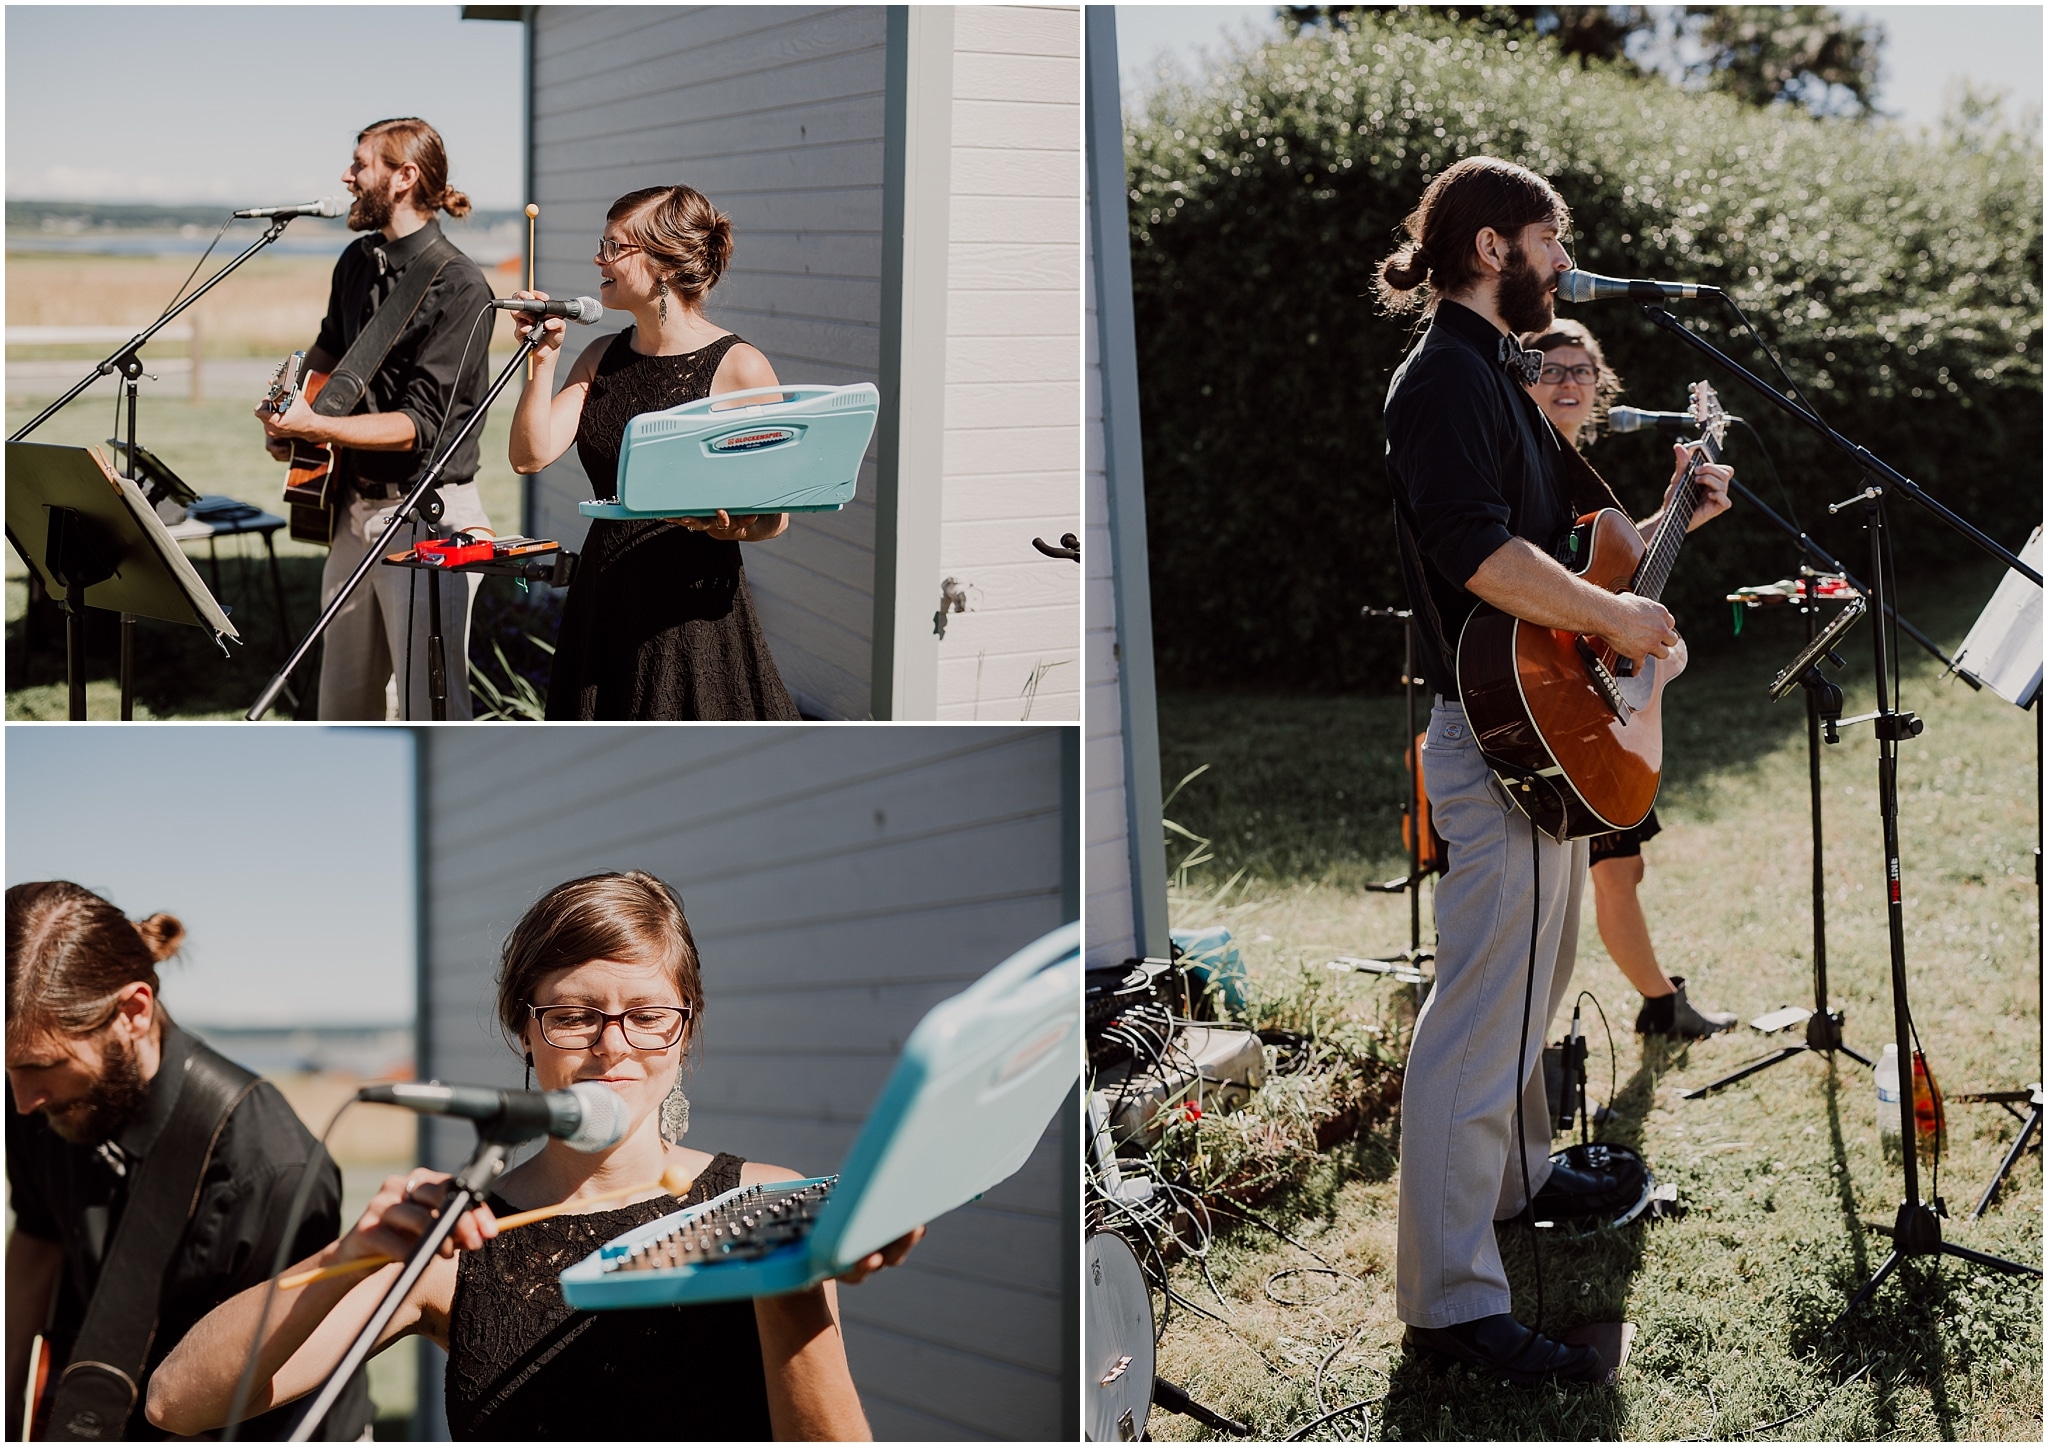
x: 1782, y: 1174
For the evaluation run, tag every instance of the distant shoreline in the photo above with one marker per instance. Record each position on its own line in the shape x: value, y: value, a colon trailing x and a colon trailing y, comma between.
x: 89, y: 228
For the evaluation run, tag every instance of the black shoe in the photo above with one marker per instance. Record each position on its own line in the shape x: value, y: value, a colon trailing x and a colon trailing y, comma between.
x: 1503, y: 1345
x: 1676, y: 1016
x: 1574, y: 1194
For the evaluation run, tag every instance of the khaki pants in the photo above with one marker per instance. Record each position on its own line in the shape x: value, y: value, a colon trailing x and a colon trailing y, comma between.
x: 367, y: 644
x: 1460, y: 1168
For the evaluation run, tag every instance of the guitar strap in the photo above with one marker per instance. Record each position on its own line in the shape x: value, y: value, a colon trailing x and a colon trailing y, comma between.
x: 350, y: 379
x: 98, y: 1391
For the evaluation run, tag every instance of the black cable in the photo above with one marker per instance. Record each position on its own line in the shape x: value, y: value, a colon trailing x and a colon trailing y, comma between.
x: 1613, y: 1073
x: 277, y: 1266
x: 1765, y: 347
x: 1296, y: 1434
x: 1776, y: 481
x: 1809, y: 1407
x: 1244, y: 1215
x: 180, y: 293
x: 1522, y: 1066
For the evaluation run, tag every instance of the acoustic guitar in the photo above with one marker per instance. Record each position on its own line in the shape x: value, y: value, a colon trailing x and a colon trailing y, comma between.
x: 309, y: 486
x: 1575, y: 733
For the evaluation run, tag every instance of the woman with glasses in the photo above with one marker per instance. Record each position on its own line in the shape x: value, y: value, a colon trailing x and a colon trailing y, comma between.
x: 598, y: 982
x: 658, y: 623
x: 1575, y: 389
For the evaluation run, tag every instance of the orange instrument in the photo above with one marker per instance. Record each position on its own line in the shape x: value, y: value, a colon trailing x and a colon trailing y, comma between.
x: 1575, y: 733
x: 309, y: 485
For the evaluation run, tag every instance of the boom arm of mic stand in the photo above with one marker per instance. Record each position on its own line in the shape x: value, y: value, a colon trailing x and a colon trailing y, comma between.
x: 467, y: 1188
x: 1827, y: 560
x: 136, y: 343
x: 268, y: 698
x: 1863, y: 457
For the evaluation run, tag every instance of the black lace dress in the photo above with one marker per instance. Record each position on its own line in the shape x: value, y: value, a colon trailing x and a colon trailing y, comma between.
x: 522, y: 1366
x: 658, y: 623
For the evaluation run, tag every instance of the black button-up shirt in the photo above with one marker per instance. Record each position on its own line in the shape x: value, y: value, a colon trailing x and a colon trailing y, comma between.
x: 74, y: 1194
x: 1473, y: 462
x: 418, y: 377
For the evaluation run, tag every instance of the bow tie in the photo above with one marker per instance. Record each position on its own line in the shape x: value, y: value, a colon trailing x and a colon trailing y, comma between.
x: 1524, y: 367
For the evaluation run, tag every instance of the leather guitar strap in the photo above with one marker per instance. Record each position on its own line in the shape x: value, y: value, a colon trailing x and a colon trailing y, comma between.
x: 99, y: 1389
x: 351, y: 376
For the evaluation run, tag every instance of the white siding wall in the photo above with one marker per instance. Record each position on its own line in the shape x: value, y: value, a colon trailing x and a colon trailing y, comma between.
x: 839, y: 882
x: 776, y: 114
x: 1106, y: 860
x: 1012, y: 446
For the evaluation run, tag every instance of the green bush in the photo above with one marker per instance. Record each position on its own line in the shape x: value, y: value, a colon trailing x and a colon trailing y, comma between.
x: 1898, y: 277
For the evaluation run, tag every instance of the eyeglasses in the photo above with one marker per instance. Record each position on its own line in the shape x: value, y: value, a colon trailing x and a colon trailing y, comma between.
x: 1584, y: 374
x: 609, y: 250
x: 578, y: 1027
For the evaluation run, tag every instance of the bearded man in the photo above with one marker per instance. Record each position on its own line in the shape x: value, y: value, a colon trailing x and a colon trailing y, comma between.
x: 1485, y: 496
x: 150, y: 1178
x: 418, y: 384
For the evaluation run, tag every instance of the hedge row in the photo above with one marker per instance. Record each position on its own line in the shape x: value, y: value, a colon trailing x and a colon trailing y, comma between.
x: 1898, y: 278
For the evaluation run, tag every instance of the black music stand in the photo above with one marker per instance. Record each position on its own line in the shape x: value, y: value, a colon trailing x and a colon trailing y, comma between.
x: 1823, y: 703
x: 95, y: 541
x: 1407, y: 965
x: 1917, y: 1229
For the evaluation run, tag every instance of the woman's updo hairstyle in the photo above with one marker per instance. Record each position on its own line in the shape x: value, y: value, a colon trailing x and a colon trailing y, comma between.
x: 632, y: 917
x: 70, y: 953
x: 1462, y: 201
x: 1564, y: 332
x: 410, y: 139
x: 688, y: 239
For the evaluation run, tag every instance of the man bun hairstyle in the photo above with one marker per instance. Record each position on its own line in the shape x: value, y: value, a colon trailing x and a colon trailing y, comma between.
x: 687, y: 238
x: 70, y: 953
x: 410, y: 139
x: 1565, y: 332
x: 1437, y: 259
x: 633, y: 917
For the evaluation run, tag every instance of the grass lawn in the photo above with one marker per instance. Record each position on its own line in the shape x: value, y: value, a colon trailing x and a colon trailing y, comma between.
x: 1781, y: 1174
x: 217, y: 447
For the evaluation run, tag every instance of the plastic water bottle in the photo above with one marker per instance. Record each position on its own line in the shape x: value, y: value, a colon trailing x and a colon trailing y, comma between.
x: 1887, y: 1073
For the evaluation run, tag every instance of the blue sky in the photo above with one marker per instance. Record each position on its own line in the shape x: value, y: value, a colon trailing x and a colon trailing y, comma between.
x: 285, y: 850
x: 1929, y: 45
x: 250, y: 105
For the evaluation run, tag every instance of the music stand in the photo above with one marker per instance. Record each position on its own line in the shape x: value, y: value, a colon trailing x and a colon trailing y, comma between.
x: 95, y: 541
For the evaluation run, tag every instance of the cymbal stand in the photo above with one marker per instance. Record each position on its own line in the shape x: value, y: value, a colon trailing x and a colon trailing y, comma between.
x: 1823, y: 1026
x: 1407, y: 965
x: 1917, y: 1229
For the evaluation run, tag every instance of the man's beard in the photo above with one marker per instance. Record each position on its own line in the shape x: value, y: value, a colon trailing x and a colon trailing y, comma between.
x: 372, y: 208
x: 1524, y: 297
x: 117, y: 1099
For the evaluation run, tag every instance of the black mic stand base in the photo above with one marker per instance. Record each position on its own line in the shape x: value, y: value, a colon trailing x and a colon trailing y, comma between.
x: 1917, y: 1232
x: 1823, y: 1036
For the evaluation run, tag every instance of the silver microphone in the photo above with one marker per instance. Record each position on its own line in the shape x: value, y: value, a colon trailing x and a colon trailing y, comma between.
x: 325, y: 206
x: 583, y: 309
x: 588, y: 1116
x: 1587, y: 286
x: 1635, y: 419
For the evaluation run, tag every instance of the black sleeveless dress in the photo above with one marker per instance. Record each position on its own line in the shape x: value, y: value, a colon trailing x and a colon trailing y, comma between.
x: 658, y: 623
x: 522, y: 1366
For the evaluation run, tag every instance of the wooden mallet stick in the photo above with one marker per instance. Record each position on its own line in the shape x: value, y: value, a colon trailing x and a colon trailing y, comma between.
x: 531, y: 212
x: 675, y: 1180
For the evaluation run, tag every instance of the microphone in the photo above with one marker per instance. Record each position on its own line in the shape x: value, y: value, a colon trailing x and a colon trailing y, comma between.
x: 588, y: 1116
x: 1635, y: 419
x: 325, y: 206
x: 583, y: 309
x: 1586, y: 286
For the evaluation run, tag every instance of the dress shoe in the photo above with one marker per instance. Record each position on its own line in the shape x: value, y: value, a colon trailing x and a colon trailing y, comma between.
x: 1677, y: 1016
x: 1503, y: 1345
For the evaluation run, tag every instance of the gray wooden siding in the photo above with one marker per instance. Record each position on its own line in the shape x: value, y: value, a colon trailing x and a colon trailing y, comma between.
x: 776, y: 114
x: 1012, y: 358
x: 840, y: 881
x: 1112, y: 933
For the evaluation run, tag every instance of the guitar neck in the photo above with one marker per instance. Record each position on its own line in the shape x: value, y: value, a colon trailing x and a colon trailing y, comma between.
x: 1662, y: 554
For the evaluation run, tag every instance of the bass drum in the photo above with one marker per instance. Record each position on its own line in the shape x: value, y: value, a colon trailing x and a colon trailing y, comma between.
x: 1118, y: 1350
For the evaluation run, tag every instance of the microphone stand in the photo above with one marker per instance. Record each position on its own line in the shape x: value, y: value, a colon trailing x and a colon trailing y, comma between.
x: 424, y: 503
x: 1917, y: 1228
x: 469, y: 1185
x: 126, y: 360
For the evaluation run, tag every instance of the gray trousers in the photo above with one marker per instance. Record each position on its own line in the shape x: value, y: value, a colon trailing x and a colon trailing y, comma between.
x: 1460, y: 1170
x: 367, y: 645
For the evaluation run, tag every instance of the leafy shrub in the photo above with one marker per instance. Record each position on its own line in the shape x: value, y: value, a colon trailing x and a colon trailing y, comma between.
x: 1897, y: 276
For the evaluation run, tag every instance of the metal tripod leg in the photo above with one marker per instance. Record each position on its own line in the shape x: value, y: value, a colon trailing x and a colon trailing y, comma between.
x: 2027, y: 1129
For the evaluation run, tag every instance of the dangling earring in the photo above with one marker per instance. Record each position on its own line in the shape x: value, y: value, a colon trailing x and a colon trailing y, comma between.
x: 675, y: 1112
x: 661, y: 290
x: 529, y: 1070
